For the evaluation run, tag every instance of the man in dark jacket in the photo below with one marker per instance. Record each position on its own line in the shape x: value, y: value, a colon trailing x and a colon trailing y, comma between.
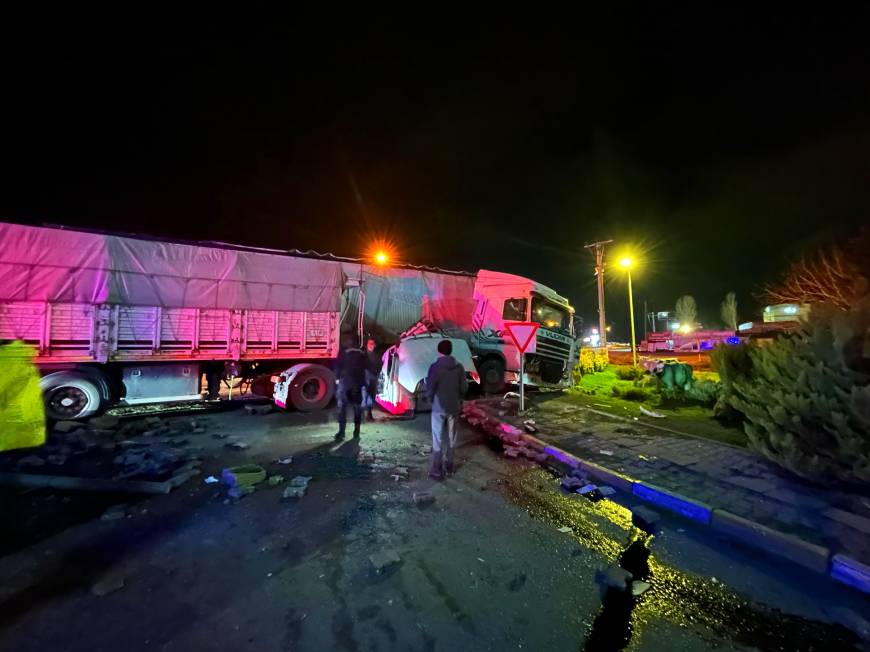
x: 372, y: 373
x: 350, y: 369
x: 446, y: 385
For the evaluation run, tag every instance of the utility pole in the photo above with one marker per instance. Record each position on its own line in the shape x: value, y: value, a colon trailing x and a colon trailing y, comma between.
x: 597, y: 249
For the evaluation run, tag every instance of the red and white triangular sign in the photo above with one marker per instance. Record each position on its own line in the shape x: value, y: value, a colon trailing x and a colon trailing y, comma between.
x: 523, y: 334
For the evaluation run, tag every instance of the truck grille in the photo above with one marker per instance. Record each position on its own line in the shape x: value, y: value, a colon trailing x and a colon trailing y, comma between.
x: 553, y: 349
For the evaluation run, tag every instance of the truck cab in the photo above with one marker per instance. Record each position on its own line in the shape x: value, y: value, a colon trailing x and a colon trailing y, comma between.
x: 501, y: 298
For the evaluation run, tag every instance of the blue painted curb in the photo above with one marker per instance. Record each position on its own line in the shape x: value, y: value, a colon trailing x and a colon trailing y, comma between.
x: 849, y: 571
x: 674, y: 502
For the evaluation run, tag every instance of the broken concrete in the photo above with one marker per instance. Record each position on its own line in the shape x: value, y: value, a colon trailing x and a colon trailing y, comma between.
x: 645, y: 518
x: 105, y: 421
x: 294, y: 492
x: 423, y: 498
x: 383, y: 560
x: 615, y: 578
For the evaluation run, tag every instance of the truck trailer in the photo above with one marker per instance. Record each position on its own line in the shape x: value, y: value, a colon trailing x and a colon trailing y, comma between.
x: 129, y: 319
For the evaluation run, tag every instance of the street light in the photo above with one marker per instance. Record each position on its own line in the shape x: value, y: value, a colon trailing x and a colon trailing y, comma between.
x: 626, y: 262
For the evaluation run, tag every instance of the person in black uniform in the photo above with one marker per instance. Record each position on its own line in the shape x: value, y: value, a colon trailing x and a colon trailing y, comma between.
x: 350, y: 369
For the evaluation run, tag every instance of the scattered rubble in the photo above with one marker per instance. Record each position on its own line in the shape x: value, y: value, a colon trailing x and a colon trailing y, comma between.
x: 109, y: 583
x: 645, y: 518
x: 615, y: 578
x: 423, y: 498
x: 211, y: 480
x: 240, y: 491
x: 275, y: 480
x: 301, y: 481
x: 105, y: 421
x: 383, y: 560
x: 639, y: 588
x: 237, y: 445
x: 572, y: 483
x: 606, y: 490
x: 285, y: 460
x: 246, y: 475
x: 564, y: 529
x: 115, y: 513
x: 30, y: 460
x: 294, y: 492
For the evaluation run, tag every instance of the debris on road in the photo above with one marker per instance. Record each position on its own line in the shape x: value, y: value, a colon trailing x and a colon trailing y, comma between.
x: 275, y: 480
x: 240, y: 491
x: 301, y: 481
x: 615, y: 578
x: 651, y: 413
x: 237, y: 444
x: 67, y: 426
x: 564, y: 529
x: 605, y: 452
x: 111, y: 582
x: 114, y: 513
x: 246, y: 475
x: 30, y: 460
x: 645, y: 518
x: 402, y: 471
x: 423, y: 498
x: 529, y: 426
x: 384, y: 559
x: 211, y: 480
x: 572, y: 483
x: 294, y: 492
x: 639, y: 588
x: 512, y: 452
x: 606, y: 490
x: 284, y: 460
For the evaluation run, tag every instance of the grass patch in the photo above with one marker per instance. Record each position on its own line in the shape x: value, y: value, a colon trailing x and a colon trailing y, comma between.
x: 606, y: 391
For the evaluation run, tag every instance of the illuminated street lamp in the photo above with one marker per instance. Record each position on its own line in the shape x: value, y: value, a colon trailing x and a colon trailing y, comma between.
x: 382, y: 257
x: 627, y: 263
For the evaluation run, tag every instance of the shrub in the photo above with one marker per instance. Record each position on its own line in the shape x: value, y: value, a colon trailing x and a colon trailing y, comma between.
x: 732, y: 363
x: 806, y: 398
x: 591, y: 361
x: 627, y: 372
x: 630, y: 394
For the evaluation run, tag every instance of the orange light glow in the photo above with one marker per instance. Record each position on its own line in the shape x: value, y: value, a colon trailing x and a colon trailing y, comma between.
x: 382, y: 257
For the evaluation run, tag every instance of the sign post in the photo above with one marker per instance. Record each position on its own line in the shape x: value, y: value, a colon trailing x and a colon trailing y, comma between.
x: 523, y: 335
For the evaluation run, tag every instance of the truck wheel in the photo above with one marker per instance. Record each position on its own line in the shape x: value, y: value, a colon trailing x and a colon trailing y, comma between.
x: 70, y: 396
x: 492, y: 376
x: 312, y: 388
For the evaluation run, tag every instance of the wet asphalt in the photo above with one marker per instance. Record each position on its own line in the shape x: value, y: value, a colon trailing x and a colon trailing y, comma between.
x: 483, y: 567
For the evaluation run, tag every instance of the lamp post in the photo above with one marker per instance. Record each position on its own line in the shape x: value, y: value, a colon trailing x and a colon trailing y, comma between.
x: 627, y: 263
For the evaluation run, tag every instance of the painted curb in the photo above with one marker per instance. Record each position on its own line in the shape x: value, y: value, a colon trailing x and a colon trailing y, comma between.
x: 849, y: 571
x: 674, y: 502
x: 788, y: 546
x: 840, y: 567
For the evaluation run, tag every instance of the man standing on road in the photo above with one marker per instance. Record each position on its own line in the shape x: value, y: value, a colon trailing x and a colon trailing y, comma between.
x: 446, y: 385
x: 373, y: 370
x: 350, y: 370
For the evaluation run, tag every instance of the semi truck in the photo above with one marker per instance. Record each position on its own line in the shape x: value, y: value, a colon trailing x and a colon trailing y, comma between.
x: 117, y: 318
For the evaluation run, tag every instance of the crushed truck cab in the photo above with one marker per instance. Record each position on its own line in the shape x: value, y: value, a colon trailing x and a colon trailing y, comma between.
x: 402, y: 381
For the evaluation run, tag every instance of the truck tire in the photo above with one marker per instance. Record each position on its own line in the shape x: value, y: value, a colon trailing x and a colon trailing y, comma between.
x: 312, y: 388
x: 69, y: 395
x: 492, y: 376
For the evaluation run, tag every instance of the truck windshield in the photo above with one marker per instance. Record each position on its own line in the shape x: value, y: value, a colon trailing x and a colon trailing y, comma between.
x: 550, y: 315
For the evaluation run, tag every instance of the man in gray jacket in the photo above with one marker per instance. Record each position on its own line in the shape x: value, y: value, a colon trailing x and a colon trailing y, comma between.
x: 446, y: 385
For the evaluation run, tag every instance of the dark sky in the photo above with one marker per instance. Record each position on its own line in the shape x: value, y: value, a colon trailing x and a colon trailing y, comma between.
x: 720, y: 144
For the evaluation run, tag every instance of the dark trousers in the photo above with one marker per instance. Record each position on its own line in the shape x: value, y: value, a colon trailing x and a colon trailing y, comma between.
x: 345, y: 398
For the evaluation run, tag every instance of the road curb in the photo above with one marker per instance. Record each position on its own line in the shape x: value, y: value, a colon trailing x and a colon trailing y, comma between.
x: 781, y: 545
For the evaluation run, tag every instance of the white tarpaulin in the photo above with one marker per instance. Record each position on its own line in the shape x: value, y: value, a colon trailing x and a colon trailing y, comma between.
x: 58, y: 265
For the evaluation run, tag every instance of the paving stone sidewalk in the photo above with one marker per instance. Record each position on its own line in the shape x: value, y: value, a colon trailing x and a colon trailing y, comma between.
x: 722, y: 476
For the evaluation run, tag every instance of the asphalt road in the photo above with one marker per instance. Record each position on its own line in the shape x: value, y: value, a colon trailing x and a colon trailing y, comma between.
x: 483, y: 567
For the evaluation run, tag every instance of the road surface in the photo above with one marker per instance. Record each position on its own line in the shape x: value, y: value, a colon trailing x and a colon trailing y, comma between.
x: 502, y: 559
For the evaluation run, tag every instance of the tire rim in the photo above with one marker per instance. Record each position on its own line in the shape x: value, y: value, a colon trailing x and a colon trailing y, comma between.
x: 68, y: 401
x: 313, y: 390
x: 492, y: 376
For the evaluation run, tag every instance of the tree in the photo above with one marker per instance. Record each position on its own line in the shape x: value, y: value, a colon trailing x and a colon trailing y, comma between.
x: 806, y: 397
x: 835, y: 276
x: 729, y: 311
x: 687, y: 310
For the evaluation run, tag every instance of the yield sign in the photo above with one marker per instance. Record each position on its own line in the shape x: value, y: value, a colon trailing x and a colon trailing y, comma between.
x: 523, y: 334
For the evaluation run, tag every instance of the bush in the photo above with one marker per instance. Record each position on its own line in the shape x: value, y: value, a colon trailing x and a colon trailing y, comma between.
x: 591, y: 361
x: 630, y: 394
x: 626, y: 372
x: 732, y: 363
x: 806, y: 398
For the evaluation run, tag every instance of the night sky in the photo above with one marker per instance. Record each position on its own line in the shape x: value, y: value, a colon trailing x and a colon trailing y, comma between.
x: 720, y: 144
